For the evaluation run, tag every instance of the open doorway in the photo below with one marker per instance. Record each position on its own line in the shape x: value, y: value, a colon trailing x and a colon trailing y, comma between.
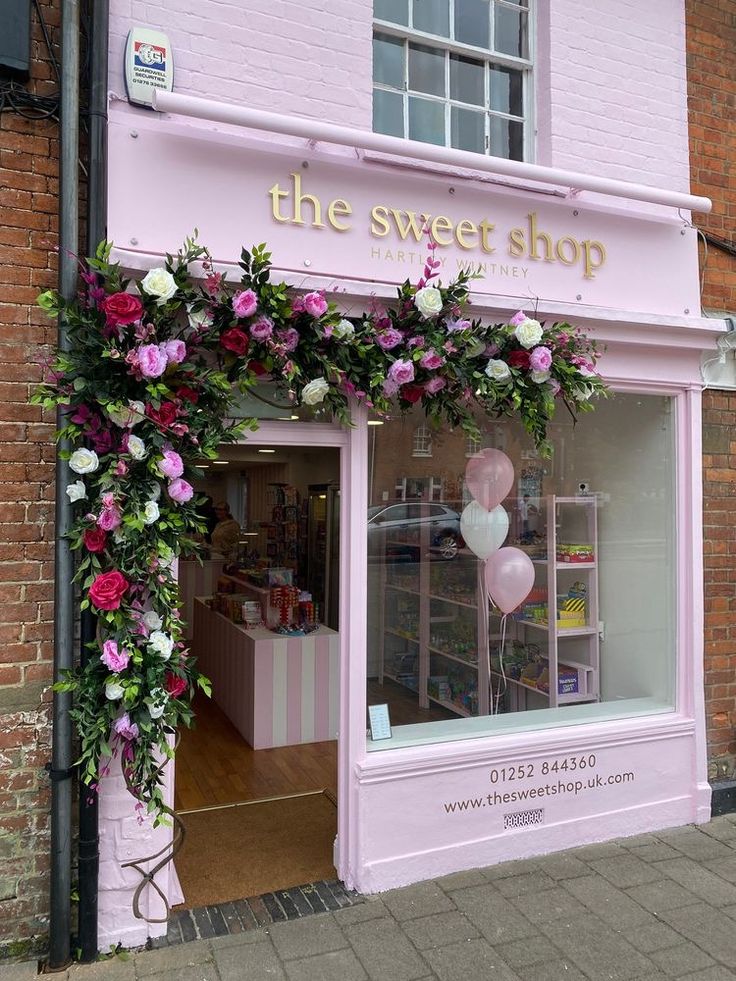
x: 256, y: 779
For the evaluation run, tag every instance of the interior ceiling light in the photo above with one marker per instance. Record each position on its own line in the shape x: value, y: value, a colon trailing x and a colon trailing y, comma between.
x: 267, y: 451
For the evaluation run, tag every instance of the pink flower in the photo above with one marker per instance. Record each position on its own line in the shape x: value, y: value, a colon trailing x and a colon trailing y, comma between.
x: 152, y: 361
x: 297, y: 305
x: 449, y: 347
x: 315, y: 304
x: 518, y: 318
x: 401, y: 372
x: 390, y: 387
x: 125, y: 728
x: 261, y: 329
x: 175, y: 351
x: 112, y: 658
x: 455, y: 325
x: 171, y: 464
x: 108, y: 500
x: 289, y: 338
x: 540, y: 359
x: 554, y: 385
x: 389, y: 338
x: 431, y: 360
x: 245, y: 303
x: 109, y: 519
x: 121, y: 468
x: 180, y: 491
x: 415, y: 342
x: 434, y: 385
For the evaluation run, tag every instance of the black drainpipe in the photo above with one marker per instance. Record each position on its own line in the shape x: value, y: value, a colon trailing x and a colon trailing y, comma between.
x: 89, y: 852
x: 61, y: 747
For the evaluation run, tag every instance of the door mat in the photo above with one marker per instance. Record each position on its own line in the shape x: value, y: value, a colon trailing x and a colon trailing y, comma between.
x: 256, y: 847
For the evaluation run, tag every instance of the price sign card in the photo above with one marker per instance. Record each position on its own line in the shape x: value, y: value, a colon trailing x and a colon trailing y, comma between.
x: 380, y: 722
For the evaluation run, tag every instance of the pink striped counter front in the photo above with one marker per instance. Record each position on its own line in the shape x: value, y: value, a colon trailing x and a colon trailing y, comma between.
x: 277, y: 691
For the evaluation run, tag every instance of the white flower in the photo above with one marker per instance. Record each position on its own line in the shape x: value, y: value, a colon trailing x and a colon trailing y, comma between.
x: 540, y: 377
x: 428, y: 301
x: 157, y: 703
x: 113, y: 691
x: 161, y: 643
x: 166, y: 557
x: 156, y: 492
x: 343, y: 330
x: 151, y: 513
x: 198, y: 318
x: 315, y: 391
x: 118, y: 536
x: 152, y: 620
x: 127, y: 416
x: 136, y: 447
x: 582, y: 393
x: 159, y: 283
x: 84, y: 461
x: 497, y: 369
x: 76, y: 491
x: 529, y: 333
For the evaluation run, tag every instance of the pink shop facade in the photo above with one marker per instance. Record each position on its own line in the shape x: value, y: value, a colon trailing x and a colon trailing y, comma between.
x: 334, y: 133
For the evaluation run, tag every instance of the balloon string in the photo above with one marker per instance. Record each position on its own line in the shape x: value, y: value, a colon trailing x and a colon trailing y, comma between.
x: 501, y: 691
x: 486, y: 630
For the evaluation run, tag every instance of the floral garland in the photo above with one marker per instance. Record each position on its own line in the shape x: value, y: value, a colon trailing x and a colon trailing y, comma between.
x: 151, y: 376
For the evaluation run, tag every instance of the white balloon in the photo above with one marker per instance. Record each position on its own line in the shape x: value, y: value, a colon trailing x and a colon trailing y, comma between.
x: 484, y: 531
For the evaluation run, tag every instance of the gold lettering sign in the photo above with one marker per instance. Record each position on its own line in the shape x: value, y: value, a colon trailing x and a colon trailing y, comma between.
x: 293, y: 205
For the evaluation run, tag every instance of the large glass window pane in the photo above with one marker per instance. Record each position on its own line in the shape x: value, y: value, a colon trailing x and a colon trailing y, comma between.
x: 511, y: 31
x: 427, y: 121
x: 432, y: 16
x: 472, y: 22
x: 507, y: 91
x: 388, y: 60
x: 426, y: 70
x: 468, y: 130
x: 507, y: 138
x: 395, y: 11
x: 595, y: 638
x: 467, y: 80
x: 388, y: 113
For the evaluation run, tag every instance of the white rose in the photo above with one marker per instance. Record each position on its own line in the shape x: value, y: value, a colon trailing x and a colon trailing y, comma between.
x: 540, y: 377
x: 161, y: 284
x: 151, y: 513
x: 198, y: 318
x: 497, y: 370
x: 155, y: 492
x: 161, y: 643
x: 315, y: 391
x: 136, y: 447
x: 118, y: 536
x: 157, y: 703
x: 76, y: 491
x: 113, y: 691
x: 529, y: 333
x: 152, y: 620
x: 84, y: 461
x: 428, y: 301
x: 343, y: 330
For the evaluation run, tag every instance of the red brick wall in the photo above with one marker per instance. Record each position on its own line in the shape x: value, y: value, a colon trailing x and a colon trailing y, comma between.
x: 711, y: 59
x: 28, y: 224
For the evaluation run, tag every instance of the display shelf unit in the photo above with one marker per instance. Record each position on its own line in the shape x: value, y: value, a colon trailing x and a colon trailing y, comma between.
x: 572, y: 527
x: 439, y: 595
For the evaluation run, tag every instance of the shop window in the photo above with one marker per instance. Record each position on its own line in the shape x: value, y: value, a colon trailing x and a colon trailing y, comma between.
x: 454, y: 72
x: 422, y: 442
x: 593, y: 639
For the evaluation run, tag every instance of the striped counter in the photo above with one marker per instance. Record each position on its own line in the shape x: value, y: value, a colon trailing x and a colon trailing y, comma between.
x: 277, y: 691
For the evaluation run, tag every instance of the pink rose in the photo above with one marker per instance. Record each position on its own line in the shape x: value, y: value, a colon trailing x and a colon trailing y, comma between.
x: 125, y: 728
x: 389, y: 338
x: 180, y: 491
x: 431, y: 360
x: 261, y: 329
x: 390, y: 387
x: 109, y: 519
x: 540, y: 359
x: 152, y: 361
x: 121, y: 468
x: 112, y: 658
x: 518, y: 318
x: 289, y: 339
x: 175, y: 351
x: 171, y: 464
x: 415, y: 342
x: 315, y: 304
x: 108, y: 589
x: 245, y: 303
x: 434, y: 385
x: 401, y: 372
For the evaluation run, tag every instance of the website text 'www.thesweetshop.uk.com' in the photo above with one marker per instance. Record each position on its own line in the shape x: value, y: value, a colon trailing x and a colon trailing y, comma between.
x: 571, y: 775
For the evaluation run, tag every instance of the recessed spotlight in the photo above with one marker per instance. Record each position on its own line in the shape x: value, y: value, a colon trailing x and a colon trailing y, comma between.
x: 267, y: 451
x: 294, y: 417
x: 375, y: 422
x: 221, y: 463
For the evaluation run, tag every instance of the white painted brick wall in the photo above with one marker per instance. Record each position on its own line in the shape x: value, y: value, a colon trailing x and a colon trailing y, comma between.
x: 611, y: 80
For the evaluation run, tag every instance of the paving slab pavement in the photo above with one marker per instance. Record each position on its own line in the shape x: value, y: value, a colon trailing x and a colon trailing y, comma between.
x: 650, y: 908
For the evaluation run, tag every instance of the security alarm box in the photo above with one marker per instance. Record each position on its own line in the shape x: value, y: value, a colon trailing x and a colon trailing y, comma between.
x: 149, y: 65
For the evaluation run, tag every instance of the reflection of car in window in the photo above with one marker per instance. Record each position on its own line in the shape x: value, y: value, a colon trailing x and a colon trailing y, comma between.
x: 397, y: 532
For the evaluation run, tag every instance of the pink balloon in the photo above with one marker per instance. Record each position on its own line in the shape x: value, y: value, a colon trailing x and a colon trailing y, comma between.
x: 489, y: 476
x: 509, y: 577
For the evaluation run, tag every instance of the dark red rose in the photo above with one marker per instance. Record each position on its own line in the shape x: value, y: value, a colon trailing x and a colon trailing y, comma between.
x: 411, y: 393
x: 95, y: 540
x: 108, y: 589
x: 519, y: 359
x: 121, y: 308
x: 188, y: 394
x: 235, y: 340
x: 175, y: 685
x: 164, y: 416
x: 257, y: 368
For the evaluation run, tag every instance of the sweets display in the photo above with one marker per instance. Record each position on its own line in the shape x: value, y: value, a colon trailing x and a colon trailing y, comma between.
x: 575, y: 553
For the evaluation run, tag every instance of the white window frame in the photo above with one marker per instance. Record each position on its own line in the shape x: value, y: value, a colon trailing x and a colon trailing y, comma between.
x: 422, y: 441
x: 526, y: 65
x: 472, y: 445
